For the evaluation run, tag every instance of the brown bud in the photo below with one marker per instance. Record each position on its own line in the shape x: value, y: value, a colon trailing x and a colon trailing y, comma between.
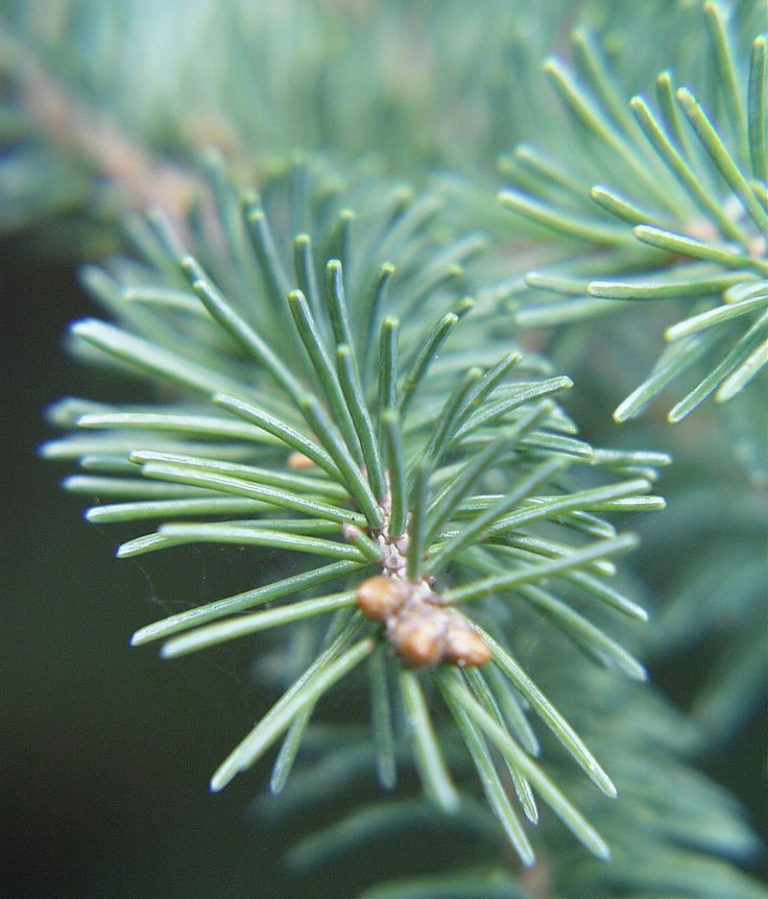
x: 463, y: 645
x: 299, y: 462
x: 380, y: 596
x: 418, y: 627
x: 417, y: 636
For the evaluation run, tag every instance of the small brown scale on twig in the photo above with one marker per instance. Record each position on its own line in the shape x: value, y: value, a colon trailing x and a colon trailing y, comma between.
x: 420, y: 629
x: 299, y: 462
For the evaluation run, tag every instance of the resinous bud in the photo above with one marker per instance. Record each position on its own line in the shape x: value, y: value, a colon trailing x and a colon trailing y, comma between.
x: 379, y: 597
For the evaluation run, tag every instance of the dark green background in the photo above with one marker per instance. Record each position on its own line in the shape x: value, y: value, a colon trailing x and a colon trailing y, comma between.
x: 107, y: 750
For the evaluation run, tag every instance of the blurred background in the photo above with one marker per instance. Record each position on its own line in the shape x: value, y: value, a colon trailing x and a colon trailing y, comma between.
x: 106, y: 751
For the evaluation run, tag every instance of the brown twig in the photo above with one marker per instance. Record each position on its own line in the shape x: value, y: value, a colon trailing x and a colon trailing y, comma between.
x: 62, y: 119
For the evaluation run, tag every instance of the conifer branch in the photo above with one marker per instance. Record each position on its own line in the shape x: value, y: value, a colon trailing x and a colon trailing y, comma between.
x: 666, y: 170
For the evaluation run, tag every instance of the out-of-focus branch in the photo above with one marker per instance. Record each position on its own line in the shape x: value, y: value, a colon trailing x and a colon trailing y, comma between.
x: 58, y: 117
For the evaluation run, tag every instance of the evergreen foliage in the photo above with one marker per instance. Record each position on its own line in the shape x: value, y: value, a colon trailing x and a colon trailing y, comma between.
x: 693, y: 194
x: 343, y: 379
x: 450, y: 479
